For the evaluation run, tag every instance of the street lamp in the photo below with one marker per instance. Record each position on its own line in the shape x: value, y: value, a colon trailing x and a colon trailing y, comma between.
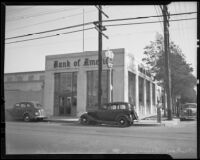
x: 109, y: 59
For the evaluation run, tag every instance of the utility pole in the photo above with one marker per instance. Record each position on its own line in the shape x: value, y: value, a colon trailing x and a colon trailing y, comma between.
x: 83, y: 28
x: 167, y: 66
x: 100, y: 28
x: 100, y: 57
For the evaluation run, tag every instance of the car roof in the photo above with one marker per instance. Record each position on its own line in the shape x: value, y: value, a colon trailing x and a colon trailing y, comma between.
x: 120, y: 102
x: 34, y: 102
x: 190, y: 104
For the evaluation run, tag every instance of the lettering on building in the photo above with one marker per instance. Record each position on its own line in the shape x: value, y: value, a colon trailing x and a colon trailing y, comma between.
x: 78, y: 62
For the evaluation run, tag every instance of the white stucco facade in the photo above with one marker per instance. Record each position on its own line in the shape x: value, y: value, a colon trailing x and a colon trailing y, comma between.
x: 87, y: 61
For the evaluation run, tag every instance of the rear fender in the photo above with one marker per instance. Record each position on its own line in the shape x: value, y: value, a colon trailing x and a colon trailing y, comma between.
x: 123, y: 115
x: 90, y: 118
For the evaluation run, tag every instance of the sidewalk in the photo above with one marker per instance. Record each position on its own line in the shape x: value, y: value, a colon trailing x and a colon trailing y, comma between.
x: 62, y: 119
x: 147, y: 121
x: 164, y: 120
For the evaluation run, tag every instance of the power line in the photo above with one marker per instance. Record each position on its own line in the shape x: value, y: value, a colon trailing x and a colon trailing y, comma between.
x: 148, y: 22
x: 111, y: 20
x: 41, y: 14
x: 53, y: 30
x: 52, y: 20
x: 58, y: 34
x: 93, y: 28
x: 79, y: 25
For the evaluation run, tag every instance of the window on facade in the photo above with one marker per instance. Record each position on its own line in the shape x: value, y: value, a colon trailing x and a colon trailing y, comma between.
x: 153, y: 94
x: 141, y: 95
x: 42, y: 77
x: 131, y: 88
x: 148, y: 96
x: 9, y: 79
x: 30, y: 77
x: 92, y: 88
x: 19, y: 78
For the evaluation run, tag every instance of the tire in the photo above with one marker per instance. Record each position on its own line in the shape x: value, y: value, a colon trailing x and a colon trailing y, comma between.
x: 27, y: 118
x: 123, y: 122
x: 84, y: 120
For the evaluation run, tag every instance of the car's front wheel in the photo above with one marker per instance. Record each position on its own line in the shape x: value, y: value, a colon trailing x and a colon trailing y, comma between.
x: 27, y: 118
x: 84, y: 120
x: 123, y: 122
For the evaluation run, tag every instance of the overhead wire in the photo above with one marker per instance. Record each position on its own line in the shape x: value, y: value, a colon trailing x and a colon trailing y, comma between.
x: 41, y: 14
x: 51, y: 35
x: 147, y: 22
x: 90, y: 23
x: 52, y: 20
x: 94, y: 27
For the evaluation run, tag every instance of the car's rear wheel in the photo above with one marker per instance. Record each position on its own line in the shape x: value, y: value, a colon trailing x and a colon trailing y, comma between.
x: 84, y: 120
x: 123, y: 122
x: 27, y: 118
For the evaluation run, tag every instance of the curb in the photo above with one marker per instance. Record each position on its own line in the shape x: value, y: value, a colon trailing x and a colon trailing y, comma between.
x: 60, y: 121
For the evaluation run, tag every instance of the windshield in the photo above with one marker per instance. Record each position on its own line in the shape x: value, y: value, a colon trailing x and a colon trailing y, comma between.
x: 189, y: 106
x: 130, y: 106
x: 38, y: 105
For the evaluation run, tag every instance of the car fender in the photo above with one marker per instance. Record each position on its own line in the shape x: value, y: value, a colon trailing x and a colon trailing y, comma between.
x: 27, y: 113
x: 123, y: 115
x: 90, y: 118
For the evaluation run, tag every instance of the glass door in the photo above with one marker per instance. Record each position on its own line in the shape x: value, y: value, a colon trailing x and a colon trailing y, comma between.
x: 65, y: 93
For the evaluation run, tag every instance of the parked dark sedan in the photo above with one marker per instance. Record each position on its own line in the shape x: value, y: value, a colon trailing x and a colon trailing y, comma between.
x: 27, y: 111
x: 120, y: 113
x: 188, y: 111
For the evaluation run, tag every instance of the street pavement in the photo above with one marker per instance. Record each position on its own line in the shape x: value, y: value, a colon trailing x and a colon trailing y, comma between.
x: 179, y: 141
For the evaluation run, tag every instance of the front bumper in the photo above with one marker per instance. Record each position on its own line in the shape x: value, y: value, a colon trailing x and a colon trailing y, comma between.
x: 188, y: 117
x: 40, y: 117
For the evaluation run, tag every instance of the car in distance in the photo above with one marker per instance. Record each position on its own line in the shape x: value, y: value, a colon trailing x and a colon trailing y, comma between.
x: 120, y: 113
x: 27, y: 111
x: 188, y: 111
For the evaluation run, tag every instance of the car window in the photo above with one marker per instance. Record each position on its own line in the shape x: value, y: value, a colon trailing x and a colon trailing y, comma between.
x: 17, y: 106
x: 28, y: 105
x: 38, y: 105
x: 104, y: 107
x: 113, y: 107
x: 22, y: 105
x: 122, y: 106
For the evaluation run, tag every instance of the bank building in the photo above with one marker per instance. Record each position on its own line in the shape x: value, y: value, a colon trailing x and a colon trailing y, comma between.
x: 69, y: 84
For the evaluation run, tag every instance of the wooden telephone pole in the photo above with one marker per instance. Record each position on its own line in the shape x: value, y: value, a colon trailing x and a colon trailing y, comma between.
x: 167, y: 66
x: 100, y: 28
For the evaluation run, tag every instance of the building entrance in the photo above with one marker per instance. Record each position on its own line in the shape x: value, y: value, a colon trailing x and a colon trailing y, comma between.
x: 65, y: 105
x: 65, y: 95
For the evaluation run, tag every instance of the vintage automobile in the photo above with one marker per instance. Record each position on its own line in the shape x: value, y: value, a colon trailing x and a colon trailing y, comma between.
x: 188, y: 111
x: 116, y: 113
x: 27, y: 111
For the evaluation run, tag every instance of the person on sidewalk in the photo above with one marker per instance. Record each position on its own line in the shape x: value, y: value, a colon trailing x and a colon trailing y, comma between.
x: 159, y: 107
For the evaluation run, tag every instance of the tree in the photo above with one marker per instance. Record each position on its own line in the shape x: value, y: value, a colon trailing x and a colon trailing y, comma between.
x: 182, y: 79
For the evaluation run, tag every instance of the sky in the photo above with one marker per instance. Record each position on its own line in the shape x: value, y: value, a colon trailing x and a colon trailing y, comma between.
x: 30, y: 55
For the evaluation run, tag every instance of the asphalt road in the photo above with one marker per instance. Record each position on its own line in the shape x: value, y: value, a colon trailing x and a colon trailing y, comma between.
x: 66, y: 138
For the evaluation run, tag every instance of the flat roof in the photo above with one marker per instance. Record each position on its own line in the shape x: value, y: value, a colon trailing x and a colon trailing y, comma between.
x: 85, y: 53
x: 28, y: 72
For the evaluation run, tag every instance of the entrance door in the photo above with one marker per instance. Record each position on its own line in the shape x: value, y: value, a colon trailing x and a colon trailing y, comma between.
x: 65, y: 105
x: 65, y: 93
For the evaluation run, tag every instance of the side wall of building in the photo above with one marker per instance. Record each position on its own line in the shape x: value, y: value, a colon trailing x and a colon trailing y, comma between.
x: 24, y: 86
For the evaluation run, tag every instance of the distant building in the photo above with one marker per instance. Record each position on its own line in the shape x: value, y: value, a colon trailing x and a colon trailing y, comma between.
x: 69, y: 84
x: 23, y: 86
